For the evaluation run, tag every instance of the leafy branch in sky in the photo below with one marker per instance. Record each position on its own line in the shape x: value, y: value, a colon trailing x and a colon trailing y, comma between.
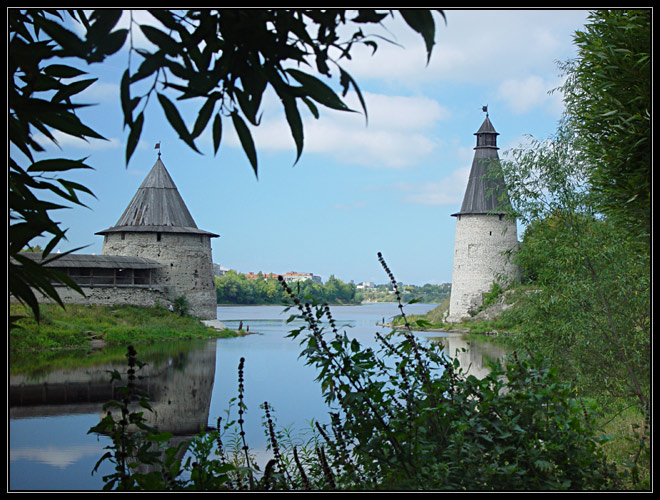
x: 41, y: 109
x: 227, y: 58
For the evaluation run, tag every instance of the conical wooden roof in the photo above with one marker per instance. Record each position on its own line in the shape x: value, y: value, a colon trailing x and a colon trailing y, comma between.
x: 157, y: 207
x: 483, y: 192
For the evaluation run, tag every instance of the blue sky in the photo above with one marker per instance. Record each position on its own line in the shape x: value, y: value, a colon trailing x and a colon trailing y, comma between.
x: 389, y: 185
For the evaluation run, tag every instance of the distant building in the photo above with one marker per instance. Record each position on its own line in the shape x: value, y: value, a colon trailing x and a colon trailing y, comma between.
x: 219, y: 270
x: 290, y: 277
x: 152, y: 255
x: 366, y: 285
x: 293, y: 277
x: 484, y: 237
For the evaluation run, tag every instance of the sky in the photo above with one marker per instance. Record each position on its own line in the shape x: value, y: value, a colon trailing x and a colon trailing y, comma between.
x: 389, y: 184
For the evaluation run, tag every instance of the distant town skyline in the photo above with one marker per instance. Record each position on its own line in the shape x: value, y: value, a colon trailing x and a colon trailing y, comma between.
x: 292, y: 275
x: 387, y: 185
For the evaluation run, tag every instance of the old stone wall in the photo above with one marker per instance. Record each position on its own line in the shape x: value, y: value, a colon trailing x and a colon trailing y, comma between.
x: 187, y: 261
x: 101, y: 295
x: 480, y: 258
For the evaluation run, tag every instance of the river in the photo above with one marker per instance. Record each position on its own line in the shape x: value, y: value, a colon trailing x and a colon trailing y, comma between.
x: 190, y: 383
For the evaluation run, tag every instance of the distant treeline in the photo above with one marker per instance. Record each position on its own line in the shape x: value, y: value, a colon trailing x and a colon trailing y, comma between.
x: 236, y: 288
x: 428, y: 294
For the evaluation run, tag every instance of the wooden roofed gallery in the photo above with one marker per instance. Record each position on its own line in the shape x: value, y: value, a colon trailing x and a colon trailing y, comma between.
x: 104, y: 270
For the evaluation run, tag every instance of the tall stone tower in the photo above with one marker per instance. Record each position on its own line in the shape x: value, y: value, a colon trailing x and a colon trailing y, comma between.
x: 157, y: 225
x: 484, y: 235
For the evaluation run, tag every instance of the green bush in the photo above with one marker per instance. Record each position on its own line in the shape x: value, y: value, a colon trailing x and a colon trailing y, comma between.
x: 403, y: 417
x: 493, y: 294
x: 181, y: 305
x: 408, y: 418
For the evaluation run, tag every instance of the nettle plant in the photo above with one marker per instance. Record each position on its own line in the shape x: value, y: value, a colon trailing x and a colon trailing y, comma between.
x: 404, y: 416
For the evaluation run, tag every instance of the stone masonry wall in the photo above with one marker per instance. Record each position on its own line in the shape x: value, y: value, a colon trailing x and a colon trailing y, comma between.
x: 187, y: 261
x: 143, y: 296
x: 480, y: 259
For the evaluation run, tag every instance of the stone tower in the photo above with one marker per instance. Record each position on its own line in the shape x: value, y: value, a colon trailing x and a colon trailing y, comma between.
x: 157, y: 225
x: 484, y: 235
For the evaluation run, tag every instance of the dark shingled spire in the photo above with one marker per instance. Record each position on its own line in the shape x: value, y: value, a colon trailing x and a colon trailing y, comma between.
x: 157, y: 207
x: 483, y: 192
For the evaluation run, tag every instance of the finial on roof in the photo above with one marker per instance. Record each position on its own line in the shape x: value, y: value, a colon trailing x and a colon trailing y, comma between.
x: 485, y: 109
x: 158, y: 148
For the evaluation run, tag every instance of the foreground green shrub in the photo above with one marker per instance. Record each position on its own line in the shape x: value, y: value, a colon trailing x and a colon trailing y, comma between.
x: 408, y: 418
x: 403, y: 417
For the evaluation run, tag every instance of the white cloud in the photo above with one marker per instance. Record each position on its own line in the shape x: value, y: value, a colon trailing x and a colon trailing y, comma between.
x: 521, y: 95
x: 476, y: 46
x: 100, y: 91
x: 371, y: 147
x: 395, y: 136
x: 67, y: 141
x: 447, y: 191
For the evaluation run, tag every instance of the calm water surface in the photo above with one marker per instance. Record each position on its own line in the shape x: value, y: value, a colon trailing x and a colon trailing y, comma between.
x: 191, y: 385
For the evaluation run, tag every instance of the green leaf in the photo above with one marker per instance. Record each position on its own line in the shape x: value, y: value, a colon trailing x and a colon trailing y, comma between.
x: 422, y: 323
x: 125, y: 97
x: 295, y: 124
x: 312, y: 107
x: 422, y: 22
x: 62, y: 71
x: 245, y: 137
x: 73, y: 88
x: 217, y: 132
x: 57, y: 165
x: 317, y: 90
x: 346, y: 80
x: 103, y: 21
x: 204, y: 115
x: 149, y: 66
x: 166, y: 17
x: 69, y: 124
x: 112, y: 43
x: 68, y: 40
x: 249, y: 105
x: 161, y: 437
x: 160, y: 39
x: 173, y: 116
x: 134, y: 136
x: 369, y: 16
x: 72, y: 187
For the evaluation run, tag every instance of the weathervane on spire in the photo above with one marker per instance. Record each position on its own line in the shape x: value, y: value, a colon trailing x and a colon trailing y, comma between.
x: 158, y: 148
x: 485, y: 109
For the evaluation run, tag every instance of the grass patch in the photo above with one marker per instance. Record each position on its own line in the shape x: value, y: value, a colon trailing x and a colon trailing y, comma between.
x: 430, y: 320
x: 76, y: 325
x: 433, y: 320
x: 625, y: 430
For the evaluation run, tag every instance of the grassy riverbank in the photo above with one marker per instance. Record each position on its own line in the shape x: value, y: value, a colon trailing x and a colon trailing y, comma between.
x: 80, y: 326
